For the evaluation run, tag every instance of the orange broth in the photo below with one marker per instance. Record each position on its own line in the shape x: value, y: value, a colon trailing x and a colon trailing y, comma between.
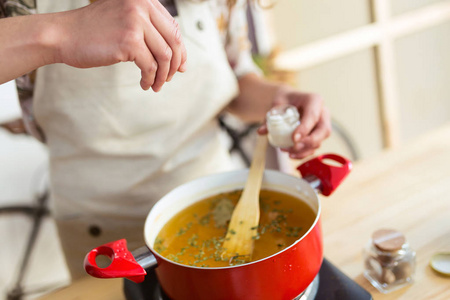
x: 195, y: 235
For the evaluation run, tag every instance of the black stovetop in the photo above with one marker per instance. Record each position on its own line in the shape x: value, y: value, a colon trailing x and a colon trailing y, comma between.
x: 333, y: 285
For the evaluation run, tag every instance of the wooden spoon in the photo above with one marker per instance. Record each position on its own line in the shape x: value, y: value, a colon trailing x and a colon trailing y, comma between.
x: 243, y: 227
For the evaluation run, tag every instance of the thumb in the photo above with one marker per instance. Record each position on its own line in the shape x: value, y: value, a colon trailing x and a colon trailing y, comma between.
x: 262, y: 129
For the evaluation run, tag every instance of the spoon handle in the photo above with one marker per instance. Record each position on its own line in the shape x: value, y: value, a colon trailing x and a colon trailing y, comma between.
x: 255, y: 174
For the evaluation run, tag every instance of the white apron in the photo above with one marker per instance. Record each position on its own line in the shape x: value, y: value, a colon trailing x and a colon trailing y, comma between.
x: 116, y: 149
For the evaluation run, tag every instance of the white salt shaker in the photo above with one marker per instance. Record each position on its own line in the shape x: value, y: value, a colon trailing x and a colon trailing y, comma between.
x: 281, y: 122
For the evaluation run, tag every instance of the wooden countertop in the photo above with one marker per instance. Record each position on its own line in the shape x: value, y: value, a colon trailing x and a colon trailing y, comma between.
x: 407, y: 189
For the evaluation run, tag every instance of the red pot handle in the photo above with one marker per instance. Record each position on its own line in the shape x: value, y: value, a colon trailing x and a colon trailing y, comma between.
x: 330, y: 176
x: 123, y: 264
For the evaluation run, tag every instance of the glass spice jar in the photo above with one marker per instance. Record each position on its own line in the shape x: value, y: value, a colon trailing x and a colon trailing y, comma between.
x: 281, y: 122
x: 389, y: 261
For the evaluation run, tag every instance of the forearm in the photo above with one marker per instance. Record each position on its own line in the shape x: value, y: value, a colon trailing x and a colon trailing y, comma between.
x: 100, y: 34
x: 27, y: 43
x: 255, y: 98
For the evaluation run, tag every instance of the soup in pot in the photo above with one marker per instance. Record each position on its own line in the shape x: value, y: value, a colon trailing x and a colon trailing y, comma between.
x: 195, y: 235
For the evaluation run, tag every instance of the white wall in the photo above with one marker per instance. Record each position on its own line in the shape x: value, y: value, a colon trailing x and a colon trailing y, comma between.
x: 8, y: 102
x: 23, y: 169
x: 21, y: 157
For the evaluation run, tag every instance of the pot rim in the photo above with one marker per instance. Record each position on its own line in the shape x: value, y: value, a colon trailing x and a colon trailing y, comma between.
x: 269, y: 171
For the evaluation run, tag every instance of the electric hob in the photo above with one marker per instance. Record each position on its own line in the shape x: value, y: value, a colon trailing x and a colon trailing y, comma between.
x: 329, y: 284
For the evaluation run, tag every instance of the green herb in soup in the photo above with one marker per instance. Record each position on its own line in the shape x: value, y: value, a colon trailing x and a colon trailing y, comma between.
x: 195, y: 235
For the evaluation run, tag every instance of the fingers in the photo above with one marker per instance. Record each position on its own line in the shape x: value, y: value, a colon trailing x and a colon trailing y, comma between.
x: 162, y: 53
x: 146, y: 62
x: 307, y: 145
x: 161, y: 9
x: 263, y: 129
x: 170, y: 32
x: 166, y: 14
x: 311, y: 109
x: 165, y: 48
x: 182, y: 67
x: 302, y: 154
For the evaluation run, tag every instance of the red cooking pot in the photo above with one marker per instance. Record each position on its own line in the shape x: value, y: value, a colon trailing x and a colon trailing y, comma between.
x: 283, y: 275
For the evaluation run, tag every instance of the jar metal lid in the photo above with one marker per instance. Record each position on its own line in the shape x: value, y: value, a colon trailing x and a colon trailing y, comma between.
x: 440, y: 262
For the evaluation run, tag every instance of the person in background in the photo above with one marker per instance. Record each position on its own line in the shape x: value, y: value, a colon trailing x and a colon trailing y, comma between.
x: 115, y: 146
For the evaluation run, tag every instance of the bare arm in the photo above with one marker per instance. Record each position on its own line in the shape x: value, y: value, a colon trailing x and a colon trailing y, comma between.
x: 26, y: 44
x: 255, y: 98
x: 103, y: 33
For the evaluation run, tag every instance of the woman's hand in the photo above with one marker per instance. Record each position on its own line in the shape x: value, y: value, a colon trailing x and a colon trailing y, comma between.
x: 257, y: 96
x: 315, y: 123
x: 111, y: 31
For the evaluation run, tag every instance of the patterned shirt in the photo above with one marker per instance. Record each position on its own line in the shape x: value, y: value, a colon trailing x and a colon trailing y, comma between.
x: 25, y: 83
x: 231, y: 22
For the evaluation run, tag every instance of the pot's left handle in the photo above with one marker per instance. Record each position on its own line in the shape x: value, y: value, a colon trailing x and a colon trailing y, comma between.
x: 123, y: 262
x: 328, y: 177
